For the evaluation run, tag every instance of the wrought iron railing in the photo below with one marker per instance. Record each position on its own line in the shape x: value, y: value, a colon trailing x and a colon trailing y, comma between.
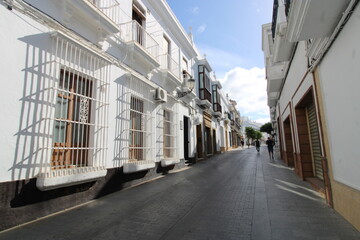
x: 168, y: 63
x: 111, y: 8
x: 287, y: 7
x: 134, y: 32
x: 274, y: 18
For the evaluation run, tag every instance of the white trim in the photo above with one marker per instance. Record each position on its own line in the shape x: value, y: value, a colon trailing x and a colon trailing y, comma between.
x: 69, y: 177
x: 138, y: 166
x: 169, y: 162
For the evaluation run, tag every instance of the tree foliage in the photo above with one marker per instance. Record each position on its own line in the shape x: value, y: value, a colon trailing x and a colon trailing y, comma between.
x: 258, y: 135
x: 250, y: 132
x: 267, y: 127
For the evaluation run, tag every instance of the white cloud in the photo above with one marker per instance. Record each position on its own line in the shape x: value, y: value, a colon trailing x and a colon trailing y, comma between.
x: 220, y: 60
x: 248, y: 88
x: 201, y: 28
x: 195, y: 10
x: 262, y: 120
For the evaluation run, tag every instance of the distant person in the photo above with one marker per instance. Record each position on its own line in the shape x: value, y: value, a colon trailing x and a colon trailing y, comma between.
x: 257, y: 145
x: 270, y: 145
x: 248, y: 143
x: 242, y: 143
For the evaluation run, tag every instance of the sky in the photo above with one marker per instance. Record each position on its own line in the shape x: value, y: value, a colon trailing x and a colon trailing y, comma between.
x: 229, y: 33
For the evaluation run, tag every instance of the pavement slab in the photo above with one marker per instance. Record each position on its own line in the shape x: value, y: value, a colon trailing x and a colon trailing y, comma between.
x: 240, y: 194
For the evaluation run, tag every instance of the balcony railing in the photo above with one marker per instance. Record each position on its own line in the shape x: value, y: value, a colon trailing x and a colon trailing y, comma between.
x: 287, y: 7
x: 205, y: 94
x: 217, y: 107
x: 111, y: 8
x: 274, y: 17
x: 134, y: 32
x: 168, y: 63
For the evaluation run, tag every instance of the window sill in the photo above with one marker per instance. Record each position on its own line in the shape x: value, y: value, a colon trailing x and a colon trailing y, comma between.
x: 168, y: 162
x: 69, y: 177
x: 138, y: 166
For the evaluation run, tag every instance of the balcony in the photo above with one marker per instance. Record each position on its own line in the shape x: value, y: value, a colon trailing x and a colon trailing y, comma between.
x: 272, y: 98
x: 94, y: 20
x: 311, y: 19
x: 205, y: 97
x: 110, y: 8
x: 141, y: 43
x: 282, y: 47
x: 170, y: 68
x: 275, y: 76
x: 217, y: 109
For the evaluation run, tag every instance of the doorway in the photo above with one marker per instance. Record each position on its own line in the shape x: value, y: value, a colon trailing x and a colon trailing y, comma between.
x: 186, y: 138
x: 214, y: 142
x: 289, y: 156
x: 199, y: 141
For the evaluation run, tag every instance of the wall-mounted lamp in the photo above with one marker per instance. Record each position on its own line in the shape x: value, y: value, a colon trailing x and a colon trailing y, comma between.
x: 187, y: 86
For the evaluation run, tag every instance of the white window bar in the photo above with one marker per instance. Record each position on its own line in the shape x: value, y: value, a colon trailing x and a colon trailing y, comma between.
x: 78, y: 120
x: 140, y: 116
x: 170, y: 130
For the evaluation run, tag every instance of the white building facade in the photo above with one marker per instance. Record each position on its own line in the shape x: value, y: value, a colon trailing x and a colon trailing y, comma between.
x: 312, y: 64
x: 102, y: 95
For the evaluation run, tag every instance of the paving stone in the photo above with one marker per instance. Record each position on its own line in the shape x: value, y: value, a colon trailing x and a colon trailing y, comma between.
x: 236, y: 195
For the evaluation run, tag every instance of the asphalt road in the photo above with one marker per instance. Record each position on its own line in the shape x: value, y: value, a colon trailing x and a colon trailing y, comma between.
x: 241, y: 194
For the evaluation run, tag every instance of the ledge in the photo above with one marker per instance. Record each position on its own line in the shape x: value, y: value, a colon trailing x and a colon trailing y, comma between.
x: 168, y: 162
x: 310, y: 19
x: 143, y: 54
x: 138, y: 166
x: 69, y: 177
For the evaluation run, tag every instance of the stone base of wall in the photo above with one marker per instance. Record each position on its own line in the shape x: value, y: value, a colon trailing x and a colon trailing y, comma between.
x: 21, y: 201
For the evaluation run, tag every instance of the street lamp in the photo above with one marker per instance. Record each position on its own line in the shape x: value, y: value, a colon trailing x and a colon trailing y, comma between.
x: 187, y: 86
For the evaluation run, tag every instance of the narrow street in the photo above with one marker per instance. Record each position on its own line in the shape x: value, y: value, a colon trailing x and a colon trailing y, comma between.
x: 237, y: 195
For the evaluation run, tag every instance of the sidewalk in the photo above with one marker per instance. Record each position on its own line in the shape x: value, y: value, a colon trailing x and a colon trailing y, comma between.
x: 237, y: 195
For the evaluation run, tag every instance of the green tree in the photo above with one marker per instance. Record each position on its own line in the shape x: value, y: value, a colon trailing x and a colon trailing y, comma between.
x: 258, y: 135
x: 250, y: 132
x: 267, y: 127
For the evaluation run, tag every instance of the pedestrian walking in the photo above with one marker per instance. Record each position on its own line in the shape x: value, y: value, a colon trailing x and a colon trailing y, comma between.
x: 257, y: 145
x: 270, y: 145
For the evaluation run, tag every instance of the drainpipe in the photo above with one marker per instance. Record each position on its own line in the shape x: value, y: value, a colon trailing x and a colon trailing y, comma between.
x: 346, y: 16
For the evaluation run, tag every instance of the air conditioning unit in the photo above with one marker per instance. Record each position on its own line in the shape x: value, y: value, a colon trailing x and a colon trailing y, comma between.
x: 160, y: 95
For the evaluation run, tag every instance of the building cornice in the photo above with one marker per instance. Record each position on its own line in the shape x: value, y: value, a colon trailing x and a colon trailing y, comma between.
x: 164, y: 11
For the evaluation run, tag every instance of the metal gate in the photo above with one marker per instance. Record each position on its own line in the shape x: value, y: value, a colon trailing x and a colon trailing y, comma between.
x: 315, y: 141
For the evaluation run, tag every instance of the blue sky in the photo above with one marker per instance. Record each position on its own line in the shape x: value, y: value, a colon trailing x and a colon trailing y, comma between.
x: 229, y: 33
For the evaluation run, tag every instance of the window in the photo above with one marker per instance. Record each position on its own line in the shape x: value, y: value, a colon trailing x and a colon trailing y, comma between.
x: 167, y: 52
x: 137, y: 127
x: 204, y: 86
x: 185, y: 65
x: 76, y: 116
x: 72, y: 121
x: 216, y: 98
x: 169, y: 136
x: 214, y: 94
x: 138, y: 16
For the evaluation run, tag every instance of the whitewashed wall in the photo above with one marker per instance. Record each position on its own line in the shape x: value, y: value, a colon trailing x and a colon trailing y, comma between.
x: 24, y: 68
x: 339, y: 75
x: 297, y: 71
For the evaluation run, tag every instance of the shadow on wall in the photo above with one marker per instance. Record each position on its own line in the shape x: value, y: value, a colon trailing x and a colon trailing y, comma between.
x: 32, y: 135
x: 122, y: 122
